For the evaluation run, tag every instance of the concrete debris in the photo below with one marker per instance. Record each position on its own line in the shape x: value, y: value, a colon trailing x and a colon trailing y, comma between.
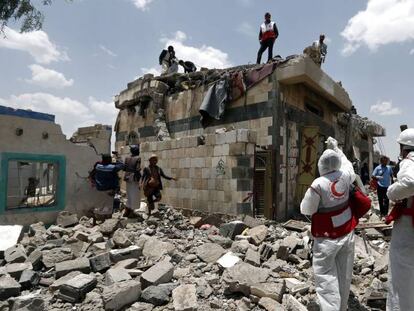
x: 66, y: 219
x: 164, y: 262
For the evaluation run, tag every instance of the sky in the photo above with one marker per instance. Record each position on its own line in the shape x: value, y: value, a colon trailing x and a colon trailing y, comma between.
x: 88, y: 50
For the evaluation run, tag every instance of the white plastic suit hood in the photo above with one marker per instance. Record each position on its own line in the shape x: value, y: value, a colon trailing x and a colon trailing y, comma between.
x: 329, y: 161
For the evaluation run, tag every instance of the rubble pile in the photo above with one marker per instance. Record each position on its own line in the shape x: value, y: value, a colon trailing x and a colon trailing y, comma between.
x: 171, y: 262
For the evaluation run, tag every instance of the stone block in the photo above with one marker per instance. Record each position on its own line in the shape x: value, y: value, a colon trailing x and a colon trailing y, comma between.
x: 109, y: 226
x: 158, y: 295
x: 58, y: 283
x: 271, y: 290
x: 132, y: 252
x: 15, y: 254
x: 37, y: 229
x: 232, y: 229
x: 66, y: 219
x: 35, y: 258
x: 115, y: 275
x: 209, y: 252
x: 252, y: 257
x: 29, y: 279
x: 100, y: 262
x: 79, y: 264
x: 16, y: 269
x: 122, y: 294
x: 237, y: 149
x: 75, y: 289
x: 8, y: 287
x: 258, y: 234
x: 30, y: 302
x: 242, y: 276
x: 270, y: 305
x: 55, y: 255
x: 228, y: 260
x: 185, y: 298
x: 154, y: 249
x: 162, y: 272
x: 120, y: 239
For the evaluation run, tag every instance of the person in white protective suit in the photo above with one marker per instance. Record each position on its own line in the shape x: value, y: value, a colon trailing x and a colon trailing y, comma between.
x: 401, y: 265
x: 332, y: 227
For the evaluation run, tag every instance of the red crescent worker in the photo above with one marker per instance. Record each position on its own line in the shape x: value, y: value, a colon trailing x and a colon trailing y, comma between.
x: 332, y: 228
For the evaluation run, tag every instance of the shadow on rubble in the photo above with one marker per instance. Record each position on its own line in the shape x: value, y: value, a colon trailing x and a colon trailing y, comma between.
x: 355, y: 305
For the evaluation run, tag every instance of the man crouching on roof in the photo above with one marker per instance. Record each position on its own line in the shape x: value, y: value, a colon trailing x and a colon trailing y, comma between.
x: 332, y: 227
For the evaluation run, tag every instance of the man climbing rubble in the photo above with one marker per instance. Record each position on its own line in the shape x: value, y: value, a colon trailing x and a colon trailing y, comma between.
x: 317, y: 51
x: 400, y: 293
x: 267, y: 36
x: 168, y: 61
x: 332, y: 227
x: 152, y: 183
x: 188, y: 66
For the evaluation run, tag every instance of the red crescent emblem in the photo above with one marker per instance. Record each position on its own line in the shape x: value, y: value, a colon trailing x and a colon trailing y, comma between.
x: 334, y: 192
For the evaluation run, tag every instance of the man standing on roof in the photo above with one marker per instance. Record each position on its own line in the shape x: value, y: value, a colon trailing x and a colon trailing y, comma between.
x: 168, y: 61
x: 401, y: 266
x: 267, y: 36
x: 333, y: 225
x: 322, y: 49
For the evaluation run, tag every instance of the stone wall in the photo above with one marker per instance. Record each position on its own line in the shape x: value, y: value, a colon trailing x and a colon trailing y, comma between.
x: 214, y: 177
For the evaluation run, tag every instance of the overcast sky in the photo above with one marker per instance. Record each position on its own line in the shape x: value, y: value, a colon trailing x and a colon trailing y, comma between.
x: 89, y: 50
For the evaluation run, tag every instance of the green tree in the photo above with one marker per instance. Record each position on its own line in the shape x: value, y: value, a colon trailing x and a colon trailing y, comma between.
x: 22, y: 10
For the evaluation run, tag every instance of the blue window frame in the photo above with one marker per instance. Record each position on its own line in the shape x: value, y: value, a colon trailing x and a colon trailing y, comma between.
x: 58, y: 162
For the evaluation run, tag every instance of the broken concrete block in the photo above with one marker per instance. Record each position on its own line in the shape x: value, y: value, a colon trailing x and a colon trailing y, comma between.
x: 37, y: 229
x: 75, y: 289
x: 252, y: 257
x: 185, y: 298
x: 209, y: 252
x: 30, y: 302
x: 258, y: 234
x: 270, y: 305
x: 157, y: 295
x: 220, y: 240
x: 132, y: 252
x: 95, y: 237
x: 66, y: 219
x: 55, y: 255
x: 293, y: 304
x: 109, y: 226
x: 29, y: 279
x: 252, y: 222
x: 243, y: 275
x: 35, y: 258
x: 16, y: 269
x: 283, y: 252
x: 154, y: 249
x: 265, y: 251
x: 228, y: 260
x: 161, y: 272
x: 270, y: 290
x: 79, y: 264
x: 115, y: 275
x: 100, y: 262
x: 58, y: 283
x: 231, y: 229
x: 141, y: 306
x: 10, y: 236
x: 120, y: 239
x: 122, y: 294
x: 8, y: 287
x: 15, y: 254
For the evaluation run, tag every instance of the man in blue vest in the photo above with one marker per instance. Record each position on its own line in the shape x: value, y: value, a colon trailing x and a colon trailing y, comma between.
x: 106, y: 179
x: 267, y: 36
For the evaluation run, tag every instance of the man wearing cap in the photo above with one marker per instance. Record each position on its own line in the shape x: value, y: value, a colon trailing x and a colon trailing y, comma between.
x: 152, y: 183
x: 132, y: 179
x: 267, y: 36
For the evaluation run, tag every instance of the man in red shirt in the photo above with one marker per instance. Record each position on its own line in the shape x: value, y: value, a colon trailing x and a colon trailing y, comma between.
x: 267, y: 36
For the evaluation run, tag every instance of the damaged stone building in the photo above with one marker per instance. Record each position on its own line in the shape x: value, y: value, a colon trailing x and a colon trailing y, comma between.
x: 242, y: 140
x: 43, y: 173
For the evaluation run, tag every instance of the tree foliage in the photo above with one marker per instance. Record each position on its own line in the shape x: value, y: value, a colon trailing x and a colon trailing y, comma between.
x: 22, y: 10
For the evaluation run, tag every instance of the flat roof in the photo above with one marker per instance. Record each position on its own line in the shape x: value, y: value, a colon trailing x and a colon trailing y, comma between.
x: 29, y: 114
